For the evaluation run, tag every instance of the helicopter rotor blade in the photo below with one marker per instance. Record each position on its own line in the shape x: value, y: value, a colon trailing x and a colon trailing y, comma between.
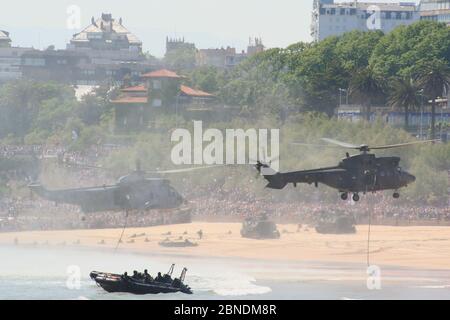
x: 342, y: 144
x: 399, y: 145
x: 82, y: 165
x: 315, y: 145
x: 183, y: 170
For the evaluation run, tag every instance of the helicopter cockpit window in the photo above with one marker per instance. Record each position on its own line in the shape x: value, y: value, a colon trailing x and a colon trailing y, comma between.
x: 382, y: 173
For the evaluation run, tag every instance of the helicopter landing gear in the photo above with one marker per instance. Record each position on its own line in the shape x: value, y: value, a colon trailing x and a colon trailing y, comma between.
x: 344, y: 196
x: 355, y: 197
x: 396, y: 195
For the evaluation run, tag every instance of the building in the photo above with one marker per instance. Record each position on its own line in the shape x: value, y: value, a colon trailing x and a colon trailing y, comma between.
x: 112, y: 51
x: 177, y: 44
x: 80, y: 67
x: 106, y: 33
x: 5, y: 40
x: 227, y: 57
x: 10, y: 58
x: 54, y: 65
x: 330, y: 18
x: 436, y: 10
x: 255, y: 46
x: 419, y: 120
x: 104, y: 52
x: 160, y: 91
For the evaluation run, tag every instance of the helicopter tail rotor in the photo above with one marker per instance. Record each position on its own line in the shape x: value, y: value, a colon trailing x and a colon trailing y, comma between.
x: 264, y: 164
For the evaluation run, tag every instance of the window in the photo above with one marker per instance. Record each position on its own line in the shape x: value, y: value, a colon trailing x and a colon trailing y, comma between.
x: 34, y: 62
x: 157, y: 84
x: 157, y: 103
x: 89, y: 72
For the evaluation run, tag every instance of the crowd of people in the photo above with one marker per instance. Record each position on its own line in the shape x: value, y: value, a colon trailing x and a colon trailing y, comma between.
x: 47, y: 216
x: 381, y: 208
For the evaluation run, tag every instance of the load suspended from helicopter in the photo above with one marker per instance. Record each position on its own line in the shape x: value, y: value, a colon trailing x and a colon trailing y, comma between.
x: 356, y: 174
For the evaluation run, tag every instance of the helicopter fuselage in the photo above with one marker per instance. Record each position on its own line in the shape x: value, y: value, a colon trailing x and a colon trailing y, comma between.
x: 355, y: 174
x: 132, y: 192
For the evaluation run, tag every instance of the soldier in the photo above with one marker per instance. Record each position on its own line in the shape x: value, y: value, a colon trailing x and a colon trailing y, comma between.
x: 147, y: 277
x: 159, y: 278
x: 200, y: 234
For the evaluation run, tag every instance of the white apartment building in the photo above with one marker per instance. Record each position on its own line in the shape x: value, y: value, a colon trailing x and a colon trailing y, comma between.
x: 436, y: 10
x: 332, y: 18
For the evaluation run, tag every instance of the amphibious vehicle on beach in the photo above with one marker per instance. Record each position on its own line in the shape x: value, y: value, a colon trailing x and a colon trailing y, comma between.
x: 140, y: 284
x: 178, y: 244
x: 259, y: 228
x: 341, y: 224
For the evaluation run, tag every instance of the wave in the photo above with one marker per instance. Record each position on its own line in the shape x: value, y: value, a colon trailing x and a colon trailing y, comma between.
x: 444, y: 286
x: 229, y: 284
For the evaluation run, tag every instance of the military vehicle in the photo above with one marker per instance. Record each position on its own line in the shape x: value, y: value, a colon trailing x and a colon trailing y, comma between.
x: 355, y: 174
x: 178, y: 243
x: 259, y: 228
x: 140, y: 284
x: 336, y: 224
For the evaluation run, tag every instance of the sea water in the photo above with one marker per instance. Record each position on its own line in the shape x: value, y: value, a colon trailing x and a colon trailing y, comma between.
x: 52, y: 273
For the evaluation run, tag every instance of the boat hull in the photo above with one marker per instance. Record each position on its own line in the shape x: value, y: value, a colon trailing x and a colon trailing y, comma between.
x: 115, y: 283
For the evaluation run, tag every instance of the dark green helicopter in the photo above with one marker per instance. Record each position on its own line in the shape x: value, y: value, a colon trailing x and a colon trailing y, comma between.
x: 355, y: 174
x: 132, y: 192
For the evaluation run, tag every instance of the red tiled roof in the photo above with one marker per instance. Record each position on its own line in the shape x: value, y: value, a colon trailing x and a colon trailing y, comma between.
x: 194, y: 93
x: 163, y: 73
x: 140, y: 88
x: 130, y: 100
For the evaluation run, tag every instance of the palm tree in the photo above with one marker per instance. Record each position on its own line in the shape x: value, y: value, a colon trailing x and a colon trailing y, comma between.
x: 405, y: 95
x: 367, y: 87
x: 434, y: 79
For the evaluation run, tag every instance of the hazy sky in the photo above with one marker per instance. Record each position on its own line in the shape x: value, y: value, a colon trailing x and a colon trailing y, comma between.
x: 208, y: 23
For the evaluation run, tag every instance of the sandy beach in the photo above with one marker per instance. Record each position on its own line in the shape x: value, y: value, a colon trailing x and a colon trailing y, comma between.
x: 412, y: 247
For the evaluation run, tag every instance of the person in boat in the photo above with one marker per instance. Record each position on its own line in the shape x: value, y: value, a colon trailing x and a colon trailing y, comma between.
x: 136, y: 275
x: 159, y: 278
x: 167, y: 278
x: 176, y: 283
x: 147, y: 276
x: 125, y: 276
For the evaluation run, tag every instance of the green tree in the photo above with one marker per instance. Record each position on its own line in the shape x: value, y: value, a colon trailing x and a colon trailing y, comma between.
x: 180, y: 59
x: 21, y: 101
x: 208, y: 78
x: 368, y: 88
x: 434, y: 78
x: 315, y: 73
x: 404, y: 95
x: 403, y: 51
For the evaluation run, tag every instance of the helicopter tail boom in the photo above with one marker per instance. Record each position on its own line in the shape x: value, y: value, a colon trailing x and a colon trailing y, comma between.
x: 39, y: 190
